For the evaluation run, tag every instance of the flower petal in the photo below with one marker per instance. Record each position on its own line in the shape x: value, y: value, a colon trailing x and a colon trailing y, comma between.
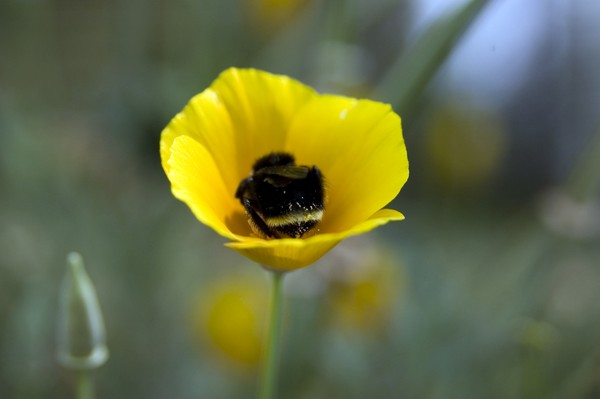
x: 207, y: 197
x: 244, y: 115
x: 259, y: 107
x: 290, y: 254
x: 359, y: 148
x: 206, y: 120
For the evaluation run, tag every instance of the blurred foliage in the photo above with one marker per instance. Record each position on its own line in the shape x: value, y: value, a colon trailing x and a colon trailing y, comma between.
x: 483, y: 291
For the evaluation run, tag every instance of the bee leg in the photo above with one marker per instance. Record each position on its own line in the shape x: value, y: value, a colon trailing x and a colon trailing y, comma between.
x: 257, y: 220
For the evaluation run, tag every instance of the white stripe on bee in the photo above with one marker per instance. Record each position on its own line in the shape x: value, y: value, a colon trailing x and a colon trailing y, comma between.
x: 295, y: 218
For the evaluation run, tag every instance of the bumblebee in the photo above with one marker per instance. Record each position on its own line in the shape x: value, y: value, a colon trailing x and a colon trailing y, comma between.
x: 282, y: 199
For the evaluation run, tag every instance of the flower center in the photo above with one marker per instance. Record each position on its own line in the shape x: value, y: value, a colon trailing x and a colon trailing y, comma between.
x: 282, y: 199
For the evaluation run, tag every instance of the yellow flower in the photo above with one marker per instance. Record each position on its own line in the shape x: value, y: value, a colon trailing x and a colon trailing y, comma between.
x: 212, y: 145
x: 365, y: 287
x: 269, y: 15
x: 230, y: 315
x: 465, y: 146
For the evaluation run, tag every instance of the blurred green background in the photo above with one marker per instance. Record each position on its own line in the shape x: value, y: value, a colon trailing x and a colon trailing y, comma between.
x: 489, y: 289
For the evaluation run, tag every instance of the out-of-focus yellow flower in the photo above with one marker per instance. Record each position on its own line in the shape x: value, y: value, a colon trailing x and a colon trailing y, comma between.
x: 267, y: 15
x: 246, y: 114
x: 230, y: 315
x: 465, y: 146
x: 362, y: 294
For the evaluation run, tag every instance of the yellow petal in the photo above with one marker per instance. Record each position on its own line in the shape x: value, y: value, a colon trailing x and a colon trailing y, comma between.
x: 206, y: 120
x: 291, y: 254
x: 359, y: 148
x: 260, y: 107
x: 244, y: 115
x: 207, y: 196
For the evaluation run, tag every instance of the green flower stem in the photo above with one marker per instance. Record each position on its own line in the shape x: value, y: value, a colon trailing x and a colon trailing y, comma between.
x: 271, y: 355
x: 85, y: 386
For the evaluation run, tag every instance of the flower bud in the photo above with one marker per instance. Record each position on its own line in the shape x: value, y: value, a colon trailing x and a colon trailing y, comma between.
x: 81, y: 342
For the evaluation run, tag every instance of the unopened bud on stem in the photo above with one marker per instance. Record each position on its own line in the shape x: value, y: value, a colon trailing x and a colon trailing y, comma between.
x: 81, y: 336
